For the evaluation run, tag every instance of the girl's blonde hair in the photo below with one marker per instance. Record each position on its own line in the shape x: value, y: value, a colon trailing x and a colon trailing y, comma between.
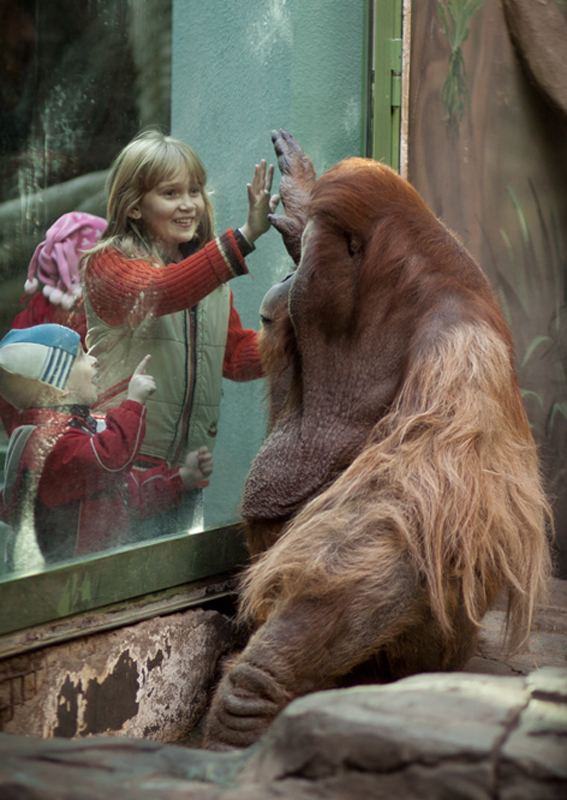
x: 150, y: 158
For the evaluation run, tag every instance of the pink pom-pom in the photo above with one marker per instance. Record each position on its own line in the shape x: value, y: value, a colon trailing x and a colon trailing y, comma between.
x: 31, y: 286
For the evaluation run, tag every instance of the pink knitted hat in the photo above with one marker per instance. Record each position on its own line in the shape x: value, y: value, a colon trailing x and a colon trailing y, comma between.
x: 56, y: 260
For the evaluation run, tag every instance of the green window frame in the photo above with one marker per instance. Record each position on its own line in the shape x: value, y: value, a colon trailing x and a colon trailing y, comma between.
x: 113, y: 588
x: 89, y: 594
x: 385, y: 81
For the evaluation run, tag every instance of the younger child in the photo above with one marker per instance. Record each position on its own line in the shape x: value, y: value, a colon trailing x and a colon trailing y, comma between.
x: 69, y: 476
x: 53, y: 291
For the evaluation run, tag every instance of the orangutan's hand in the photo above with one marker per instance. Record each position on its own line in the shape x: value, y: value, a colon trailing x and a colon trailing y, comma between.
x: 298, y: 177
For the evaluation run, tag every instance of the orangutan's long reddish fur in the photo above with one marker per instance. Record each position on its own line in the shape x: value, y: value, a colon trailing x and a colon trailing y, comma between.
x: 445, y: 478
x: 441, y: 509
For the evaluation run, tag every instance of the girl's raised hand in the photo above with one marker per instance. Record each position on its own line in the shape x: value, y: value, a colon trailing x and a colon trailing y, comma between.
x: 260, y: 203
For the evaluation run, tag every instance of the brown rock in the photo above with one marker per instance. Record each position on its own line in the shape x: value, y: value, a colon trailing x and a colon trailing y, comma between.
x: 456, y: 736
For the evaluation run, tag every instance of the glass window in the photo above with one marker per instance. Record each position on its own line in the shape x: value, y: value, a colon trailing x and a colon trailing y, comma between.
x: 77, y: 81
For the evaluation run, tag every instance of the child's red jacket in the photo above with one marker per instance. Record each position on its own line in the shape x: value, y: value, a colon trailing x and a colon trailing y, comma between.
x: 79, y: 480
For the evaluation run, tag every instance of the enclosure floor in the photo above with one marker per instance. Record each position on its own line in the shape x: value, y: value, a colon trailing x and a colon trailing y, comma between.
x: 548, y: 642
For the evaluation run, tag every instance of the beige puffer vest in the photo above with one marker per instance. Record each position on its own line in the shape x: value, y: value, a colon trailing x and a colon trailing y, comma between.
x: 183, y: 413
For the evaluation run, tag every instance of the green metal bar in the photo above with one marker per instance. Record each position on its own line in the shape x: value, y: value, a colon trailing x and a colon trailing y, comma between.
x: 396, y: 83
x: 387, y: 81
x: 381, y: 127
x: 128, y: 612
x: 98, y: 581
x: 396, y: 119
x: 367, y: 78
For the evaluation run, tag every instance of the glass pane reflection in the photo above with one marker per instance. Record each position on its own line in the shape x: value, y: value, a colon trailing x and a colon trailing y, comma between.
x: 77, y: 81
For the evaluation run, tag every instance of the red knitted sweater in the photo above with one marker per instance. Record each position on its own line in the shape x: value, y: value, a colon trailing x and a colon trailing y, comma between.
x: 123, y: 290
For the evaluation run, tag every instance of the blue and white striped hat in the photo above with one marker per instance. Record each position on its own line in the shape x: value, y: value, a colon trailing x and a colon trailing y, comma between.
x: 44, y: 353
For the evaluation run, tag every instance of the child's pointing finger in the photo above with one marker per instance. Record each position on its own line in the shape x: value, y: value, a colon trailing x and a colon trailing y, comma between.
x: 141, y: 368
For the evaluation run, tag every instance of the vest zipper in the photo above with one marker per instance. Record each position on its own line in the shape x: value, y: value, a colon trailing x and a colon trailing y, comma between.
x: 191, y: 358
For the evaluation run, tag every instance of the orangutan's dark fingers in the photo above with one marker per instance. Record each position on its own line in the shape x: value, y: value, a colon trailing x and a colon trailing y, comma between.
x: 285, y: 225
x: 246, y: 703
x: 291, y: 158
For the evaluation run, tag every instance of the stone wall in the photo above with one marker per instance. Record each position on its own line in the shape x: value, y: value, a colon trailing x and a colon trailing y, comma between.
x: 148, y: 680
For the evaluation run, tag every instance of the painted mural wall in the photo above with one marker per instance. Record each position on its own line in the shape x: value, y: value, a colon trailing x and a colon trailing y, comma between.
x: 239, y: 71
x: 488, y: 153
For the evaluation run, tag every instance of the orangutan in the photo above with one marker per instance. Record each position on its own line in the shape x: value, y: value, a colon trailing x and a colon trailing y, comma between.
x: 397, y: 494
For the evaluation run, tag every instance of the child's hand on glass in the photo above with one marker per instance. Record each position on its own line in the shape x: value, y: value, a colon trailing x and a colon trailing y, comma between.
x: 260, y: 203
x: 197, y: 467
x: 141, y: 384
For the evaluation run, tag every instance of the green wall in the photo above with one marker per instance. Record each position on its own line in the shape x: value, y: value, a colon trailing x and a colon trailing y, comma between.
x: 240, y: 69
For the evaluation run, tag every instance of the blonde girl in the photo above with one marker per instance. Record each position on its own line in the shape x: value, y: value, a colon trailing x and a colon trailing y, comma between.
x: 156, y: 282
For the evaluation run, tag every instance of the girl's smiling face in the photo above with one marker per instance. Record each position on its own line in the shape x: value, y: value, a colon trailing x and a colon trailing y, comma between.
x: 172, y: 211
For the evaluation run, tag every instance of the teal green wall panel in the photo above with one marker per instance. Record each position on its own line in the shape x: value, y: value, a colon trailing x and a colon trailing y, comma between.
x: 240, y: 69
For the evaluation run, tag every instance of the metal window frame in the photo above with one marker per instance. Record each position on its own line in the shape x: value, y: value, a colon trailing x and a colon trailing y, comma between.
x: 386, y: 81
x: 177, y: 564
x: 103, y: 580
